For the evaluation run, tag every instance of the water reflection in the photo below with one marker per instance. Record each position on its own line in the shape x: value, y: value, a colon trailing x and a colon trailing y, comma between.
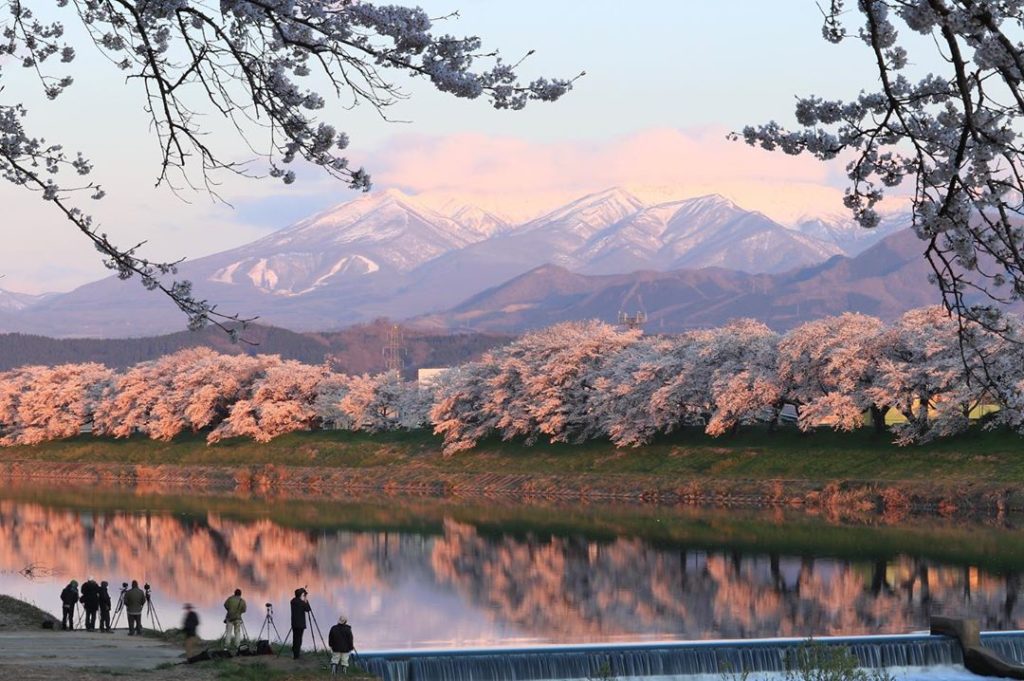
x: 464, y: 585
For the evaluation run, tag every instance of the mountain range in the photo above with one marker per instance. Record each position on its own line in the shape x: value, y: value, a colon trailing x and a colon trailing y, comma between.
x: 392, y: 255
x: 887, y: 279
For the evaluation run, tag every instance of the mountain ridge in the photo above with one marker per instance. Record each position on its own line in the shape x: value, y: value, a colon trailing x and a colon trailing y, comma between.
x: 392, y: 254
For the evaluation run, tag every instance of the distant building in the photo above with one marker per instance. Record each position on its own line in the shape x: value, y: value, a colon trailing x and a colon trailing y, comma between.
x: 429, y: 376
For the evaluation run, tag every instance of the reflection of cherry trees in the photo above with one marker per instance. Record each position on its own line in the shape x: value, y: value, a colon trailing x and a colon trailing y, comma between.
x: 553, y: 588
x: 586, y: 590
x: 183, y: 556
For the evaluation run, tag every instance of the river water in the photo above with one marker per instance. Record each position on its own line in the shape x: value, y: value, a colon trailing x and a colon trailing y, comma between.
x: 420, y: 573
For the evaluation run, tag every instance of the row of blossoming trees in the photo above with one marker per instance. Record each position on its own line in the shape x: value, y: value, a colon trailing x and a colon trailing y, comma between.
x: 568, y: 383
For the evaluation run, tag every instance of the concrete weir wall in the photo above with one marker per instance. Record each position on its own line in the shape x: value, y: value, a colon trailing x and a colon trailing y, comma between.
x: 668, y: 659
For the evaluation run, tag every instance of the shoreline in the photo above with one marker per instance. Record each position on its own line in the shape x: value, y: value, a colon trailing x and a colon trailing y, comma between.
x: 947, y: 498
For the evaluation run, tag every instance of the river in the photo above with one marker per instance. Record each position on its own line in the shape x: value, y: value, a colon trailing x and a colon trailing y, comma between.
x: 413, y: 573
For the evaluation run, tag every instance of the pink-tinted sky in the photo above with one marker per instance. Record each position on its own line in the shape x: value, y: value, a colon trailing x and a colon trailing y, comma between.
x: 666, y: 80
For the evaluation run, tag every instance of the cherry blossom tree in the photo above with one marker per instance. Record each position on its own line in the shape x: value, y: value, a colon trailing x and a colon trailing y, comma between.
x: 826, y: 367
x: 956, y: 136
x: 458, y: 412
x: 720, y: 378
x: 624, y: 387
x: 245, y: 61
x: 283, y: 400
x: 543, y: 384
x: 38, y: 404
x: 191, y: 390
x: 383, y: 402
x: 921, y: 374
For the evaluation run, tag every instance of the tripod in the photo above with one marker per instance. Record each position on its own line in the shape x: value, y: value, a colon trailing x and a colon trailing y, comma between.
x: 245, y: 635
x: 268, y: 624
x: 120, y: 607
x: 154, y: 621
x: 314, y: 626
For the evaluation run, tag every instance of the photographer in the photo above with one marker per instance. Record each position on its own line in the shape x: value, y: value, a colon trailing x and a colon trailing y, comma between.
x: 300, y: 606
x: 104, y: 597
x: 134, y: 602
x: 91, y: 602
x: 235, y: 607
x: 68, y: 600
x: 342, y: 644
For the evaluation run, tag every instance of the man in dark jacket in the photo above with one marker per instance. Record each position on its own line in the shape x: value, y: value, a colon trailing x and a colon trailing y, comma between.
x: 134, y: 601
x: 68, y: 600
x: 91, y: 602
x: 300, y: 606
x: 342, y: 644
x: 104, y: 598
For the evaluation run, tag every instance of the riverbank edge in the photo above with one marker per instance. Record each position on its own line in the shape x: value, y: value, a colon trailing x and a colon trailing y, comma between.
x: 947, y: 498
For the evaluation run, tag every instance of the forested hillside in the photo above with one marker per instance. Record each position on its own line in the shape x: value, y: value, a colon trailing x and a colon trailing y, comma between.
x: 355, y: 350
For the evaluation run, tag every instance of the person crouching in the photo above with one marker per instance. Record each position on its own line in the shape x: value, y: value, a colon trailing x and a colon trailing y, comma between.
x: 342, y: 644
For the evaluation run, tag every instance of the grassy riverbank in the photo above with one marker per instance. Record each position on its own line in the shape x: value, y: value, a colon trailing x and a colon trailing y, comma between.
x: 751, y: 454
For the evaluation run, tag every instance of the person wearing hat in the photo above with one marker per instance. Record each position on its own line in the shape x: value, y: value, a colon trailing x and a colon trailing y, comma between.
x: 91, y: 602
x: 191, y: 628
x: 104, y: 596
x: 342, y: 644
x: 68, y: 600
x: 300, y: 606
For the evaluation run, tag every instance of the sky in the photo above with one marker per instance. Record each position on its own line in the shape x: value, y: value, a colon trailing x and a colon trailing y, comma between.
x: 665, y: 81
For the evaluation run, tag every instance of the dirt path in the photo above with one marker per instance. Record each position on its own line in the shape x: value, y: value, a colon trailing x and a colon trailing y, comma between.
x: 43, y: 649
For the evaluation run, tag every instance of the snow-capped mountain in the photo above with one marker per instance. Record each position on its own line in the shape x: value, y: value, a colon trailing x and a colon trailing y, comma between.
x: 12, y: 301
x: 707, y: 231
x: 841, y: 230
x: 395, y: 255
x: 381, y: 233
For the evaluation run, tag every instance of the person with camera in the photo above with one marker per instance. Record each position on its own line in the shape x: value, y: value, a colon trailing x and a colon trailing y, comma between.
x: 91, y: 602
x: 235, y: 607
x: 300, y: 606
x: 68, y: 601
x: 342, y: 644
x: 104, y: 601
x: 134, y: 602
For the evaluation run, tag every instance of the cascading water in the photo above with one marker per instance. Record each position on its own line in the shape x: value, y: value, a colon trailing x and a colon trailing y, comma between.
x: 714, y: 658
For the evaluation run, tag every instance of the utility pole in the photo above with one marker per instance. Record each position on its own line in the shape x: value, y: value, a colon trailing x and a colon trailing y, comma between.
x: 632, y: 321
x: 393, y: 351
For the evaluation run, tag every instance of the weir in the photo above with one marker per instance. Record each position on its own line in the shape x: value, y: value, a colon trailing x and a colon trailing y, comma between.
x: 673, y: 659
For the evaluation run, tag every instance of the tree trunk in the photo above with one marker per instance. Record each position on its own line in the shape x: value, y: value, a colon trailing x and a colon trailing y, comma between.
x: 878, y: 418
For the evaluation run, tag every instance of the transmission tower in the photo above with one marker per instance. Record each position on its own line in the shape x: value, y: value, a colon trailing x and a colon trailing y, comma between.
x: 632, y: 321
x: 393, y: 351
